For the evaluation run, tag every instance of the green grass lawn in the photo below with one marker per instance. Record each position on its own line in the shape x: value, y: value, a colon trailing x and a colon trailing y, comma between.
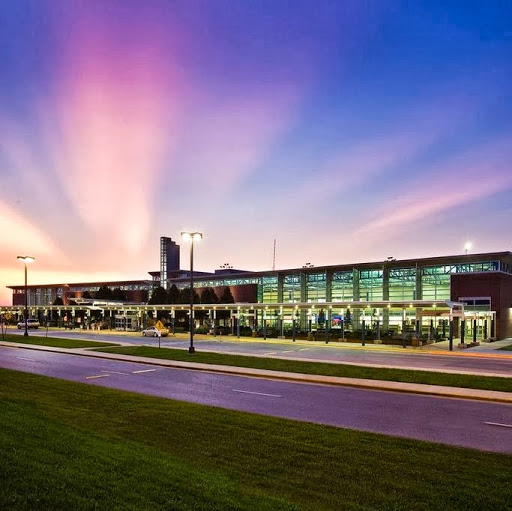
x: 54, y: 341
x: 507, y: 348
x: 321, y: 368
x: 68, y: 445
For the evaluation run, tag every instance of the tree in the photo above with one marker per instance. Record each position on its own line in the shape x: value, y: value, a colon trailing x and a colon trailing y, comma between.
x: 58, y: 301
x: 208, y: 296
x: 104, y: 292
x: 185, y: 296
x: 159, y: 296
x: 226, y: 296
x: 86, y: 294
x: 118, y: 294
x: 173, y: 295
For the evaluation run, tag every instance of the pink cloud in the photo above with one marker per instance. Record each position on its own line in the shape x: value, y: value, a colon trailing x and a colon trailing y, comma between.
x: 116, y: 106
x: 478, y: 174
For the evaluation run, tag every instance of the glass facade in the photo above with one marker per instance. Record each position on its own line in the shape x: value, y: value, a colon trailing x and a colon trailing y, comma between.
x: 435, y: 283
x: 311, y: 285
x: 402, y: 284
x: 342, y: 289
x: 371, y: 285
x: 291, y: 288
x: 435, y: 280
x: 267, y: 290
x: 315, y: 287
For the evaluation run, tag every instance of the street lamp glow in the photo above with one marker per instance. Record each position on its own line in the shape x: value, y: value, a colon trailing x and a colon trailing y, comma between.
x: 26, y: 259
x: 191, y: 237
x: 467, y: 246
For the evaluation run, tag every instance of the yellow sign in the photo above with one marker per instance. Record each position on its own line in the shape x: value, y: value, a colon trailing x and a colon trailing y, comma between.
x: 7, y: 316
x: 159, y: 325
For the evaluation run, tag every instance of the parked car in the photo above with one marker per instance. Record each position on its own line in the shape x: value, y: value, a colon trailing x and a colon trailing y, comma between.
x: 153, y: 331
x: 31, y: 323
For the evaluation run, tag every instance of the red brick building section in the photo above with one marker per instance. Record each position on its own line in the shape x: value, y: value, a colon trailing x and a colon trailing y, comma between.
x: 497, y: 286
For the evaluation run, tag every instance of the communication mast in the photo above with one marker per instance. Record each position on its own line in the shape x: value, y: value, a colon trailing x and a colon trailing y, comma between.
x: 274, y: 258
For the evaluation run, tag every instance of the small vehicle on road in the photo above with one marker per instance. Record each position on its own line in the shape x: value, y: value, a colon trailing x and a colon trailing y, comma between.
x: 153, y: 331
x: 31, y: 323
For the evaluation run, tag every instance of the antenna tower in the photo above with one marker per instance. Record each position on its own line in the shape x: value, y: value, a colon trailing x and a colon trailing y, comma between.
x: 274, y: 258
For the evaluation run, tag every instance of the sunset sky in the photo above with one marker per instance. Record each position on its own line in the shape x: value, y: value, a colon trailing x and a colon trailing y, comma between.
x: 346, y: 130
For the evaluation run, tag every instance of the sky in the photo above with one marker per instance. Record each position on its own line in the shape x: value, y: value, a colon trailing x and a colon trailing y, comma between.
x: 346, y: 130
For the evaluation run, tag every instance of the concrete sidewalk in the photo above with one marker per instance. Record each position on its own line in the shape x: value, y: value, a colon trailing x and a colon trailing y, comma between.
x: 438, y: 348
x: 416, y: 388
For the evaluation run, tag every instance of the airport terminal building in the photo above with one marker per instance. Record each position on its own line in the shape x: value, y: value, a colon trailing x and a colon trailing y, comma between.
x: 391, y: 295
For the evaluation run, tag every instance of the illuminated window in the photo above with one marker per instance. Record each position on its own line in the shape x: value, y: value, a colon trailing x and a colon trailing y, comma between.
x: 267, y: 290
x: 371, y: 285
x: 291, y: 288
x: 315, y: 287
x: 402, y: 284
x: 342, y: 288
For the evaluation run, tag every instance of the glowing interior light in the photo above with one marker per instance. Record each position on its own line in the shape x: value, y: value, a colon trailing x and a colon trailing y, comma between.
x: 186, y: 236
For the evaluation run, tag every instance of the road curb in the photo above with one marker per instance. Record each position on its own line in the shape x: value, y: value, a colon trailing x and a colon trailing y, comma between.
x: 383, y: 385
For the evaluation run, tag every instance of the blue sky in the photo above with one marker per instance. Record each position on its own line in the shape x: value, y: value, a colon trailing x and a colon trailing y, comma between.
x: 347, y: 130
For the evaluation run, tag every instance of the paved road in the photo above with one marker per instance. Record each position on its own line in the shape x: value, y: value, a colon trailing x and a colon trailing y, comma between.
x: 443, y: 420
x: 498, y: 363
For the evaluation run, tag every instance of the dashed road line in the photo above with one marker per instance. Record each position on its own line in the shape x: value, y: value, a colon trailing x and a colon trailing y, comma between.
x: 29, y: 359
x: 271, y: 353
x: 115, y: 372
x: 96, y: 376
x: 498, y: 424
x: 144, y: 371
x: 256, y: 393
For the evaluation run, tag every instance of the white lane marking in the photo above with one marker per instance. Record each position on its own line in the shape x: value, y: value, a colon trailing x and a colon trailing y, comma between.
x: 304, y: 349
x: 23, y: 358
x: 256, y: 393
x: 97, y: 376
x: 144, y: 371
x: 288, y: 351
x: 498, y: 424
x: 270, y: 353
x: 114, y: 372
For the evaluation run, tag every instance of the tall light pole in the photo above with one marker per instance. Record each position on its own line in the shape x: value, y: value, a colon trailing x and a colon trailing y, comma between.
x: 467, y: 247
x: 26, y: 260
x: 191, y: 237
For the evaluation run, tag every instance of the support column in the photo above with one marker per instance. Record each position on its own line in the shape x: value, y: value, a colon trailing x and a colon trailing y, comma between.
x: 328, y: 285
x: 328, y: 324
x: 450, y: 340
x: 462, y: 332
x: 280, y: 287
x: 404, y: 328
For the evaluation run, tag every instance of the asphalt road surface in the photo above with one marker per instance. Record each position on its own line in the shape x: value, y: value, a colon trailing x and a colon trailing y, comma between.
x: 474, y: 424
x: 497, y: 363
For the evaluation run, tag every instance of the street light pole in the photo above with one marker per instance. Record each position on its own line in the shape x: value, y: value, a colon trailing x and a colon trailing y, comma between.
x: 191, y: 236
x: 25, y: 260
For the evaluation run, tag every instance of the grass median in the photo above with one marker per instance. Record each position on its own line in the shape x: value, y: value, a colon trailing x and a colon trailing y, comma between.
x: 321, y: 368
x: 67, y: 445
x: 54, y: 342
